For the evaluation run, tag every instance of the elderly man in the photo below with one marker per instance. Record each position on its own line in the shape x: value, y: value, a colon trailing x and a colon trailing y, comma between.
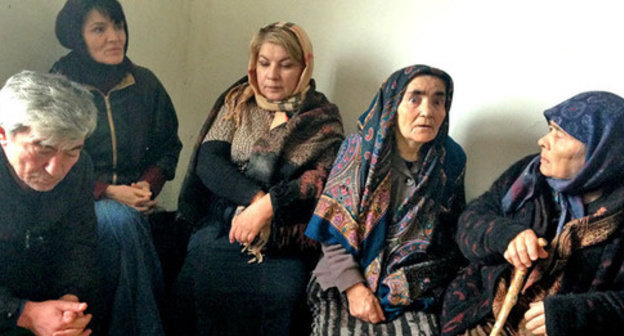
x: 47, y: 230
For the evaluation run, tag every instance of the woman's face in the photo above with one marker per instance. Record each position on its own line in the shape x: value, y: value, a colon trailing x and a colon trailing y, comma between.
x: 422, y: 110
x: 277, y: 73
x: 562, y: 155
x: 105, y: 40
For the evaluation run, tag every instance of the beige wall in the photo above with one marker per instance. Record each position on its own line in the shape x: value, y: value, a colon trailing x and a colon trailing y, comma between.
x: 509, y: 60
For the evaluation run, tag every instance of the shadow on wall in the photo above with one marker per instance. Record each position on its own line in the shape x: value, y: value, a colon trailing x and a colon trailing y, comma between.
x: 353, y: 88
x: 494, y: 140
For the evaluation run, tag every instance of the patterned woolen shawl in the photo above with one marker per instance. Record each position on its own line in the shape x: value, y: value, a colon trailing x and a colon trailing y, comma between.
x: 313, y: 128
x: 354, y: 208
x: 294, y: 162
x: 595, y: 118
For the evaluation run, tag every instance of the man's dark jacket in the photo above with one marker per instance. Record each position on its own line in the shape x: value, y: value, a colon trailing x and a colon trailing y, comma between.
x: 47, y: 239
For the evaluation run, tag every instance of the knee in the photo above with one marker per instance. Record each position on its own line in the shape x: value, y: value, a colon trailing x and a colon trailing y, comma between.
x: 287, y: 293
x: 116, y: 217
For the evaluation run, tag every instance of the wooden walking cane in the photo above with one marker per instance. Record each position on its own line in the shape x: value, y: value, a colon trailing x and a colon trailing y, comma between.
x: 512, y: 295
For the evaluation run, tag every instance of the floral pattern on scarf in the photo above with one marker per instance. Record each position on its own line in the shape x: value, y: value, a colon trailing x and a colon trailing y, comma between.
x: 354, y: 210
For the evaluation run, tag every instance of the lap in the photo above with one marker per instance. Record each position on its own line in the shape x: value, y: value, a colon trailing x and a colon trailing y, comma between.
x: 485, y: 328
x: 114, y: 213
x: 222, y: 272
x: 223, y: 289
x: 330, y: 314
x: 120, y: 222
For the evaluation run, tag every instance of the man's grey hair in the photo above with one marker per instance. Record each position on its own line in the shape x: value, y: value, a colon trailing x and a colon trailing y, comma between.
x: 55, y: 108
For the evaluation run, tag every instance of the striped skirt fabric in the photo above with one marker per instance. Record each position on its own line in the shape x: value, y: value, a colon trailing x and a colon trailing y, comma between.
x: 330, y: 316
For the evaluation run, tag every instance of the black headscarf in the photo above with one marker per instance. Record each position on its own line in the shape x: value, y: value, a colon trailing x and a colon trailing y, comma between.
x: 78, y: 64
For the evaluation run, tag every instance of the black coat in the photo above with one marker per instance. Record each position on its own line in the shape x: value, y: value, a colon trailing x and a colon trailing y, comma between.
x: 47, y: 239
x: 137, y: 126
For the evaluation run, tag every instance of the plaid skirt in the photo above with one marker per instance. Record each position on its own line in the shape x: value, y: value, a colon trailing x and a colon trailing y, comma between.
x: 330, y: 316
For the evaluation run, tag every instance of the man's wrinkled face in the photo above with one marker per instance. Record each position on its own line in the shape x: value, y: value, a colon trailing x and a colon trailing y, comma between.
x: 37, y: 165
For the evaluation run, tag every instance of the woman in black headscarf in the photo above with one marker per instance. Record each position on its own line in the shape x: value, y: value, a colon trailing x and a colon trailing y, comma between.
x: 134, y: 149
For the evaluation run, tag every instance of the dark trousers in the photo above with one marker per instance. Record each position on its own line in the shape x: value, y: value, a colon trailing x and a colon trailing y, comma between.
x: 131, y: 278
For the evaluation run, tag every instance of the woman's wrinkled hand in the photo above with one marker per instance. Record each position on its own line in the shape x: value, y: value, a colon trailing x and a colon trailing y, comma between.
x: 536, y: 318
x: 363, y: 304
x: 247, y: 224
x: 524, y: 249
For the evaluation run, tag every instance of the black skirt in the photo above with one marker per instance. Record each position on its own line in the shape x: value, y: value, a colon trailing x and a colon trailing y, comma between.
x: 219, y: 293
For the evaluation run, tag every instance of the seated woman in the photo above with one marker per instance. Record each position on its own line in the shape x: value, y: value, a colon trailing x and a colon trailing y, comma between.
x: 134, y: 149
x: 268, y: 145
x: 571, y: 195
x: 387, y: 216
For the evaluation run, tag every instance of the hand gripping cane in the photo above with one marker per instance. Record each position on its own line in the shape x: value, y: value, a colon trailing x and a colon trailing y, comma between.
x: 512, y: 295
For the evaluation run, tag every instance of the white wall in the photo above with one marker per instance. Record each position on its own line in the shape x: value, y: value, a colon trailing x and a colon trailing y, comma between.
x: 509, y: 60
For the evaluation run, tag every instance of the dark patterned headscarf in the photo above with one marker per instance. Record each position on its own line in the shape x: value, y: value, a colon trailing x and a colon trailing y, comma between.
x: 354, y: 208
x: 596, y: 119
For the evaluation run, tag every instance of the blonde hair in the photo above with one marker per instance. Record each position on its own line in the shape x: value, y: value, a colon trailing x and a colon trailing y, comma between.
x: 280, y: 36
x: 297, y: 45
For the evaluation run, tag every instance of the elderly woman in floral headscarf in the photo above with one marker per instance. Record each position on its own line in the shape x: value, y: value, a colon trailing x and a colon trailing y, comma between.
x: 265, y: 152
x: 387, y: 216
x: 571, y: 195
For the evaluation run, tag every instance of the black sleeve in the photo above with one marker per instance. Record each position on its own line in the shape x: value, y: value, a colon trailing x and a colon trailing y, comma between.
x: 9, y: 307
x: 221, y: 176
x: 596, y: 313
x: 165, y: 144
x: 483, y: 232
x: 76, y: 273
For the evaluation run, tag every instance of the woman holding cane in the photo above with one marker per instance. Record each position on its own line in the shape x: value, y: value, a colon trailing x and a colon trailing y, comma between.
x: 572, y: 195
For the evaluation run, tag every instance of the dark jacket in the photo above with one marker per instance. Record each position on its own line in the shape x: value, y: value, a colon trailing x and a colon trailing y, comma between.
x: 590, y: 296
x: 47, y: 239
x: 137, y: 133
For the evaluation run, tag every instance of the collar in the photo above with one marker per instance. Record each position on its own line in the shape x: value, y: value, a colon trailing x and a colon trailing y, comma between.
x: 127, y: 81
